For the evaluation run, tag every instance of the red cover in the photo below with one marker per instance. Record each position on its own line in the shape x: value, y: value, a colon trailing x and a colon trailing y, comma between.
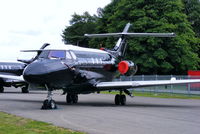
x: 194, y: 74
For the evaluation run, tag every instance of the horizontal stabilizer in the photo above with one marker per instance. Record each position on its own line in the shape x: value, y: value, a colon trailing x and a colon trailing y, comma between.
x: 32, y: 50
x: 131, y: 35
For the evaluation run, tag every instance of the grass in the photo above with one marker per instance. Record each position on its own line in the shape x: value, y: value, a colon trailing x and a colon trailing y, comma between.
x: 159, y: 95
x: 11, y: 124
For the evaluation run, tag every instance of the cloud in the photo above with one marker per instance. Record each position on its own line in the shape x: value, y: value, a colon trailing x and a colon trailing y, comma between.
x: 27, y: 24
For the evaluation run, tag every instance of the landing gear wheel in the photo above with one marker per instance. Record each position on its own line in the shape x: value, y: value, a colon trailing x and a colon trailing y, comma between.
x: 45, y: 104
x: 75, y: 98
x: 69, y: 98
x: 120, y: 99
x: 1, y: 89
x: 117, y: 99
x: 25, y: 90
x: 72, y: 98
x: 49, y: 104
x: 52, y: 104
x: 123, y: 100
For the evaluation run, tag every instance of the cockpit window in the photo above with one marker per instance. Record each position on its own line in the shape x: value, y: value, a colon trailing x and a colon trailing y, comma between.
x: 57, y: 54
x: 68, y: 56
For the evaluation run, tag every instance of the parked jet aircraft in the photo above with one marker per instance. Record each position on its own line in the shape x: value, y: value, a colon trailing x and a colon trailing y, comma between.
x: 77, y: 70
x: 15, y: 69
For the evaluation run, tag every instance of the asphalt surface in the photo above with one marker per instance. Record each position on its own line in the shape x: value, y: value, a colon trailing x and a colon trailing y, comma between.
x: 97, y: 114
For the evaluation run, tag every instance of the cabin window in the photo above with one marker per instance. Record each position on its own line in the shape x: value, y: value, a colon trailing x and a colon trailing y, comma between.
x: 92, y: 57
x: 85, y: 54
x: 57, y: 54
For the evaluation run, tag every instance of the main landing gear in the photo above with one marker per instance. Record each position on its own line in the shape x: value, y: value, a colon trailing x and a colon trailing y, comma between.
x: 71, y: 98
x: 49, y: 103
x: 120, y: 99
x: 25, y: 89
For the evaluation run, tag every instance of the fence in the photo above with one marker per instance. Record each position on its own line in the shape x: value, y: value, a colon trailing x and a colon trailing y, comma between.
x: 190, y: 89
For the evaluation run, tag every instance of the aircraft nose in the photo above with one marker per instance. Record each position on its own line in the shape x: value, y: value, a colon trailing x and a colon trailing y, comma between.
x: 34, y: 72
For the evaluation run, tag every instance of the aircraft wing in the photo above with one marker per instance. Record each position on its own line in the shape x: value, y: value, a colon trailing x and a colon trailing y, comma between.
x: 137, y: 84
x: 13, y: 78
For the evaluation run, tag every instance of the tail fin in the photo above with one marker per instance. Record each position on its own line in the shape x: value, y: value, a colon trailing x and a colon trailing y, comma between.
x: 120, y: 47
x: 121, y: 44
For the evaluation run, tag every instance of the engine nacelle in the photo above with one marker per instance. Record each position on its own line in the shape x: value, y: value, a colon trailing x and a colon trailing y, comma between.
x: 127, y: 68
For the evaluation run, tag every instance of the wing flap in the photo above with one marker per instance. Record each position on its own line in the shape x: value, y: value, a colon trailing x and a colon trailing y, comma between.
x: 137, y: 84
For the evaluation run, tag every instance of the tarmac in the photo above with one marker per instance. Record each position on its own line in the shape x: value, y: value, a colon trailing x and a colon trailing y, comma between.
x: 97, y: 113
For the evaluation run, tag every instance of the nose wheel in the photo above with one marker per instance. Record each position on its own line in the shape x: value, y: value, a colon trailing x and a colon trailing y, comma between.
x: 49, y: 103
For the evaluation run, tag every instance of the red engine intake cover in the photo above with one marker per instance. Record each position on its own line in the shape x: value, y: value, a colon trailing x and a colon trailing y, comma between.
x: 123, y: 67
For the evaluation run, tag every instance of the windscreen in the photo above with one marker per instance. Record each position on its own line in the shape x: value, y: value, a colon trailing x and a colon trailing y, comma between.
x: 57, y: 54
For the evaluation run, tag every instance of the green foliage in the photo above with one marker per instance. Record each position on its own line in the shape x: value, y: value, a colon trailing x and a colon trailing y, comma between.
x: 80, y: 24
x: 152, y: 55
x: 192, y: 10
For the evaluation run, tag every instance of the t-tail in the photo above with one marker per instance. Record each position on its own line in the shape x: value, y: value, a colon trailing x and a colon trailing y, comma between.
x: 120, y: 48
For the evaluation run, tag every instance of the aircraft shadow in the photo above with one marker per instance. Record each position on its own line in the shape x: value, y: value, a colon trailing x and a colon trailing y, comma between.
x: 105, y: 104
x: 128, y: 105
x: 18, y: 92
x: 20, y: 100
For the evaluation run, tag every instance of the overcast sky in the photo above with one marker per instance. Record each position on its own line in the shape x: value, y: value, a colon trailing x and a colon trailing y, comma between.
x: 27, y: 24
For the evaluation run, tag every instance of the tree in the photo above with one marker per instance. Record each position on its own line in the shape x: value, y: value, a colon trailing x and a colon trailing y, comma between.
x: 80, y: 24
x: 192, y: 9
x: 153, y: 55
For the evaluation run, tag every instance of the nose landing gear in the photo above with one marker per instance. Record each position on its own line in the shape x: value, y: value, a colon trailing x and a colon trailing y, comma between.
x: 49, y: 103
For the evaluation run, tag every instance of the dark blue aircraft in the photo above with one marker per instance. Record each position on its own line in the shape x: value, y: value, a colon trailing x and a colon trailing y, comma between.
x: 15, y: 69
x: 77, y: 70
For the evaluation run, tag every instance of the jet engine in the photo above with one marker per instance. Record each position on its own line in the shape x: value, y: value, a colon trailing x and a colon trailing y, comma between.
x: 127, y: 68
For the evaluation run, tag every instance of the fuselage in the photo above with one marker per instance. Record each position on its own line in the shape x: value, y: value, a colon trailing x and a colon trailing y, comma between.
x: 14, y: 68
x: 11, y: 68
x: 69, y: 67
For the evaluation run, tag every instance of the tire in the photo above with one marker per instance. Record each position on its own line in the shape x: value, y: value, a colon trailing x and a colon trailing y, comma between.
x: 123, y: 100
x: 45, y: 104
x: 25, y: 90
x: 49, y: 104
x: 74, y: 98
x: 52, y: 104
x: 1, y: 89
x: 69, y: 98
x: 117, y: 99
